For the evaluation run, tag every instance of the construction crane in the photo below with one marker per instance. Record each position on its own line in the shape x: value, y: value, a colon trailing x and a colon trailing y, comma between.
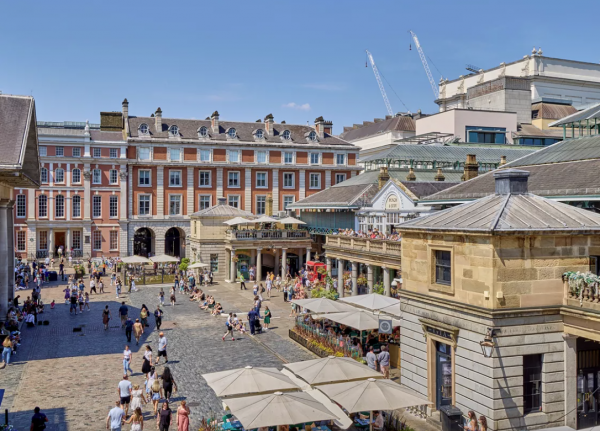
x: 381, y: 87
x: 434, y: 86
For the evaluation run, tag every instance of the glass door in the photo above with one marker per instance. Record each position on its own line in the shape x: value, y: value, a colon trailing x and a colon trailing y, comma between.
x: 587, y: 398
x: 443, y: 374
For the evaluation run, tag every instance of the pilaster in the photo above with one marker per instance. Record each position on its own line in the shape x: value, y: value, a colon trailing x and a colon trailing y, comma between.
x: 87, y: 200
x: 327, y: 179
x: 130, y: 194
x: 275, y: 174
x: 248, y: 190
x: 219, y: 183
x: 190, y: 192
x: 340, y: 278
x: 160, y: 192
x: 6, y: 285
x: 354, y: 278
x: 302, y: 185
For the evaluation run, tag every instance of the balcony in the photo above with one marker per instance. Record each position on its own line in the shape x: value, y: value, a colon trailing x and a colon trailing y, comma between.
x: 267, y: 234
x: 368, y: 246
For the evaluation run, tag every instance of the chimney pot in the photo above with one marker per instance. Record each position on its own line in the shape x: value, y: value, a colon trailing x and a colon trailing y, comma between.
x: 125, y: 105
x: 439, y: 176
x: 158, y: 120
x: 471, y: 167
x: 411, y: 175
x: 383, y: 177
x: 502, y: 160
x: 269, y: 122
x: 511, y: 181
x: 214, y: 122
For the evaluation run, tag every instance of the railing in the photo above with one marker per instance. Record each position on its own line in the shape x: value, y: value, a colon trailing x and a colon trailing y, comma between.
x: 268, y: 234
x: 382, y: 246
x: 43, y: 254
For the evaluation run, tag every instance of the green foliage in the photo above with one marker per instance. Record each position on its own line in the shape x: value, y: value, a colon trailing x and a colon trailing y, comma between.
x: 184, y: 264
x: 79, y: 269
x: 379, y: 288
x: 321, y: 270
x: 319, y: 292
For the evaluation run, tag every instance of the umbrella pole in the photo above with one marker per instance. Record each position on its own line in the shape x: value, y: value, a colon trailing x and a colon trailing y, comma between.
x: 371, y: 421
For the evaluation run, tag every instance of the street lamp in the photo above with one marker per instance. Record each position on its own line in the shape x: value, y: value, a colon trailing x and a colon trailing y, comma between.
x: 487, y: 345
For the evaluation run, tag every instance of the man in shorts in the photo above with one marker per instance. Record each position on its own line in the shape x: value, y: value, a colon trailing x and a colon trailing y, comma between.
x: 162, y: 347
x: 124, y: 390
x: 73, y: 299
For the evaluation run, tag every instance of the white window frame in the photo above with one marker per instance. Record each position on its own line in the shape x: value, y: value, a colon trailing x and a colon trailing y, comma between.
x: 293, y: 186
x: 200, y: 152
x: 171, y: 159
x: 110, y: 177
x: 200, y: 196
x: 76, y: 240
x: 94, y: 176
x: 266, y: 174
x: 97, y: 153
x: 209, y: 185
x: 114, y: 153
x: 114, y: 233
x: 283, y: 197
x: 149, y: 177
x: 62, y: 151
x: 256, y: 159
x: 310, y: 161
x: 21, y: 206
x: 310, y: 177
x: 140, y: 149
x: 43, y: 198
x: 229, y: 186
x: 95, y: 235
x: 342, y: 175
x: 60, y: 171
x: 293, y: 154
x: 239, y: 156
x: 21, y: 241
x: 73, y: 179
x: 256, y: 204
x: 78, y: 149
x: 114, y: 199
x: 180, y: 204
x: 149, y: 196
x: 344, y: 162
x: 239, y: 200
x: 94, y: 206
x: 43, y: 151
x: 42, y: 171
x: 59, y: 199
x: 171, y: 172
x: 76, y: 200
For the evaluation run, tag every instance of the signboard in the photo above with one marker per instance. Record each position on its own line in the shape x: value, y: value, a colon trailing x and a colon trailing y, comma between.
x: 439, y: 332
x: 385, y: 326
x: 392, y: 203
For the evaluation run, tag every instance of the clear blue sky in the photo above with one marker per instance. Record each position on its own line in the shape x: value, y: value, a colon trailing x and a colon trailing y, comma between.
x: 297, y: 59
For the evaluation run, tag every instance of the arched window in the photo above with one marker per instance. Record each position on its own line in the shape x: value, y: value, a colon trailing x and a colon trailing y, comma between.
x: 44, y: 175
x: 287, y: 135
x: 173, y: 131
x: 76, y: 176
x: 259, y: 134
x: 231, y: 133
x: 143, y: 129
x: 59, y: 206
x: 203, y: 132
x: 43, y: 206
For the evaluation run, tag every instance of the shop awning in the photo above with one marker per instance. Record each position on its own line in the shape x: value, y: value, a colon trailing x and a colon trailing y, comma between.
x: 248, y: 380
x: 331, y: 369
x: 323, y: 305
x: 360, y: 319
x: 372, y: 301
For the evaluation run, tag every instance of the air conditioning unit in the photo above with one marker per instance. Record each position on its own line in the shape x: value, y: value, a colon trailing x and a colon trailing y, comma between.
x: 281, y: 214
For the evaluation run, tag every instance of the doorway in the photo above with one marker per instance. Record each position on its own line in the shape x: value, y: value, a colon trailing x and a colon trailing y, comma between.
x: 588, y: 383
x: 173, y: 242
x: 142, y: 242
x: 59, y: 239
x: 443, y: 367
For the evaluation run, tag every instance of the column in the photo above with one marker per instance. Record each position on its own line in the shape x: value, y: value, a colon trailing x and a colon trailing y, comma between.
x: 248, y: 190
x: 277, y: 252
x: 6, y: 285
x: 259, y: 264
x: 328, y: 260
x: 302, y: 184
x: 160, y: 196
x: 370, y: 277
x: 284, y: 263
x: 570, y: 345
x: 307, y: 254
x: 275, y: 191
x: 190, y: 192
x: 386, y: 281
x: 354, y: 278
x: 327, y: 178
x: 31, y: 201
x: 129, y: 191
x: 68, y: 241
x: 51, y: 242
x: 341, y: 278
x: 124, y: 210
x: 232, y: 268
x: 11, y: 246
x: 87, y: 195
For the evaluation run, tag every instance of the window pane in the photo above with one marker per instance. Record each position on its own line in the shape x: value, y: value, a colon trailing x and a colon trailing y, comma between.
x: 113, y: 153
x: 175, y: 154
x: 114, y: 206
x: 76, y: 206
x: 443, y: 274
x: 76, y: 175
x: 144, y: 153
x: 214, y: 262
x: 234, y: 201
x: 97, y: 206
x: 205, y: 155
x: 21, y: 206
x: 532, y: 383
x: 76, y: 152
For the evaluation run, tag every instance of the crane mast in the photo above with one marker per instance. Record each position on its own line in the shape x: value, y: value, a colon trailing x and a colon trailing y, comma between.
x: 434, y: 86
x: 381, y: 87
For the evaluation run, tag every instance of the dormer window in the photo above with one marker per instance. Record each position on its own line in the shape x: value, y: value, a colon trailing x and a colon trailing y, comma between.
x: 312, y: 136
x: 173, y: 131
x: 203, y: 132
x: 231, y: 133
x: 259, y: 134
x: 143, y: 129
x: 287, y: 135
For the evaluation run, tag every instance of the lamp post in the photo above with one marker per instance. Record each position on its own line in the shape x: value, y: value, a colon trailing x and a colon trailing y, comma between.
x: 488, y: 344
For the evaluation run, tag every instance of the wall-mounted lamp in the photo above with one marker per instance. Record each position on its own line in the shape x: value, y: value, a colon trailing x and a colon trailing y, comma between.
x: 488, y: 344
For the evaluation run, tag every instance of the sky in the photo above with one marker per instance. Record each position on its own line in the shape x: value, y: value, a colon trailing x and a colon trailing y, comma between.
x: 295, y: 59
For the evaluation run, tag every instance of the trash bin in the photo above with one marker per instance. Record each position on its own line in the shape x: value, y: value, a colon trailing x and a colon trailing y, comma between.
x: 451, y: 418
x: 52, y: 276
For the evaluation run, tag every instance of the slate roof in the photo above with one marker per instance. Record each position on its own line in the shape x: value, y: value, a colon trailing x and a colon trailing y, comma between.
x: 422, y: 189
x: 338, y: 197
x: 188, y: 130
x: 222, y: 210
x: 97, y: 135
x: 552, y: 111
x: 400, y: 123
x: 526, y: 130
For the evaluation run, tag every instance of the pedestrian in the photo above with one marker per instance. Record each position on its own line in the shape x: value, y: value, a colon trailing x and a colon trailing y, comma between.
x: 100, y: 286
x: 252, y: 316
x: 372, y: 359
x: 127, y: 357
x: 384, y: 362
x: 38, y: 420
x: 87, y: 301
x: 73, y: 304
x: 61, y: 271
x: 483, y: 426
x: 158, y: 313
x: 124, y: 390
x: 267, y: 319
x: 106, y: 317
x: 285, y: 292
x: 173, y: 297
x: 136, y: 420
x: 81, y: 300
x: 137, y: 398
x: 155, y: 393
x: 147, y: 365
x: 242, y: 284
x: 269, y: 287
x: 183, y: 417
x: 6, y: 350
x: 123, y: 311
x: 144, y: 315
x: 113, y: 278
x: 130, y: 285
x: 118, y: 287
x: 93, y: 286
x: 128, y: 328
x: 229, y: 326
x: 163, y: 420
x: 162, y: 348
x: 138, y: 330
x: 472, y: 421
x: 114, y: 420
x: 161, y: 296
x: 168, y: 383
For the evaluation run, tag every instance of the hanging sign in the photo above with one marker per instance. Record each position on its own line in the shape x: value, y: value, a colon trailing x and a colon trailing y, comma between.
x: 385, y: 326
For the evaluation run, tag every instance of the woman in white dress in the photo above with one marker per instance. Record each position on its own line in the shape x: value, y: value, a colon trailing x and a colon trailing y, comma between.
x: 137, y: 397
x: 136, y: 420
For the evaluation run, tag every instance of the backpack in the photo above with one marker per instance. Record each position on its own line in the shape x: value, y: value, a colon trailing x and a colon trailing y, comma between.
x: 262, y: 290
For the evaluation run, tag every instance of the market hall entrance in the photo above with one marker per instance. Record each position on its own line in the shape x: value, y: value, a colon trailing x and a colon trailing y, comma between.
x: 59, y: 239
x: 175, y: 243
x: 142, y: 242
x: 588, y: 383
x: 443, y: 368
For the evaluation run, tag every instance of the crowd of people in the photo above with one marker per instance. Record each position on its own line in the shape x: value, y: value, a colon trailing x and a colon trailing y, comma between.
x: 369, y: 234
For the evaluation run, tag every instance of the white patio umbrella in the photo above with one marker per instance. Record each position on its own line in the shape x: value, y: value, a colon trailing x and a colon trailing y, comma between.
x: 359, y: 319
x: 372, y: 394
x: 323, y: 305
x: 264, y: 219
x: 248, y: 380
x: 164, y: 258
x: 238, y: 220
x: 372, y: 301
x: 290, y: 220
x: 331, y: 369
x: 278, y: 409
x: 198, y: 265
x: 136, y: 259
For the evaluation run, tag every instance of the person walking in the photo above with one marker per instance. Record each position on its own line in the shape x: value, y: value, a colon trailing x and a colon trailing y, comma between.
x: 161, y: 296
x: 162, y: 348
x: 371, y: 359
x: 124, y: 391
x: 93, y: 286
x: 183, y: 417
x: 128, y: 328
x: 138, y: 330
x: 242, y: 284
x: 115, y: 420
x: 106, y: 317
x: 144, y: 315
x: 472, y: 422
x: 38, y: 420
x: 100, y: 286
x: 6, y: 350
x: 158, y: 314
x: 252, y: 316
x: 73, y: 303
x: 384, y: 362
x: 168, y: 383
x: 229, y: 326
x: 155, y: 392
x: 137, y: 398
x: 173, y: 298
x: 147, y: 364
x: 267, y: 319
x: 127, y: 356
x: 123, y: 311
x: 483, y: 426
x: 87, y: 302
x: 163, y: 420
x: 136, y: 420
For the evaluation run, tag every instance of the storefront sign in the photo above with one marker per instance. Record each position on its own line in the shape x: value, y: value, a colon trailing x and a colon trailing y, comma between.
x: 439, y: 332
x: 392, y: 203
x: 437, y: 329
x: 385, y: 326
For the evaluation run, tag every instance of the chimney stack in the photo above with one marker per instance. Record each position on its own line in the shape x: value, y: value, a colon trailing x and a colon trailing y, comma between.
x: 221, y: 200
x: 471, y: 167
x: 439, y: 176
x: 322, y: 127
x: 269, y: 122
x: 511, y: 182
x: 125, y: 105
x: 383, y: 177
x: 158, y: 120
x: 502, y: 160
x: 411, y: 175
x: 214, y: 122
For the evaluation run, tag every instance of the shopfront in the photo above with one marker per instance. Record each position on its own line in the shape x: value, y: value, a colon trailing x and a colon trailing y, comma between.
x: 588, y: 383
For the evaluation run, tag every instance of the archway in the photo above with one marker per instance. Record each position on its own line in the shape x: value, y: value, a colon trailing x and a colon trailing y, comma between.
x: 142, y: 242
x: 173, y: 242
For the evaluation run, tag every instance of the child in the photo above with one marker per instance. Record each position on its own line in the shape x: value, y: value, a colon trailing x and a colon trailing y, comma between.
x: 173, y: 298
x: 87, y: 301
x: 52, y: 305
x: 161, y: 296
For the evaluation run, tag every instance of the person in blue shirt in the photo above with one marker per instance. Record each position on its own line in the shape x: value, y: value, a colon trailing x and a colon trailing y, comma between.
x: 252, y: 316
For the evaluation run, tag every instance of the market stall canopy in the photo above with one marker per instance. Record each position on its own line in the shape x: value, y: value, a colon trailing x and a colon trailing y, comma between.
x: 331, y: 369
x: 136, y: 259
x: 323, y: 305
x: 372, y: 394
x: 290, y: 220
x: 359, y: 319
x: 372, y: 301
x: 278, y: 409
x: 265, y: 219
x: 198, y: 265
x: 248, y: 380
x: 164, y: 258
x: 238, y: 220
